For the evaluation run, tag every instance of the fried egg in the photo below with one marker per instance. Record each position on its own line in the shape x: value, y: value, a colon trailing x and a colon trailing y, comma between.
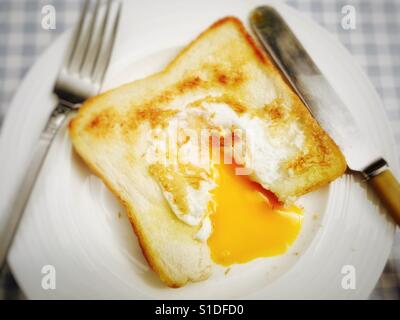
x: 235, y: 214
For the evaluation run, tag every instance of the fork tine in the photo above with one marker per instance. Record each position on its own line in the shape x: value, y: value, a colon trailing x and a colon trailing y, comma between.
x: 104, y: 23
x: 77, y: 34
x: 88, y: 44
x: 101, y: 66
x: 84, y: 37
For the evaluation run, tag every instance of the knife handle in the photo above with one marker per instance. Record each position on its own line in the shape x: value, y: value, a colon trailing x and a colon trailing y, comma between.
x: 387, y: 188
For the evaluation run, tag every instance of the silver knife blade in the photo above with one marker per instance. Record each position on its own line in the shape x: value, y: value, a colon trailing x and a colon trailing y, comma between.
x: 312, y: 87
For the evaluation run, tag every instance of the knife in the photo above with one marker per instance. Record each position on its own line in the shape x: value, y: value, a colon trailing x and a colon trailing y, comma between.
x: 325, y: 105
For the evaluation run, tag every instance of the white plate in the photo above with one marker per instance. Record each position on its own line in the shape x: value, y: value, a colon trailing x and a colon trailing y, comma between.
x: 72, y: 221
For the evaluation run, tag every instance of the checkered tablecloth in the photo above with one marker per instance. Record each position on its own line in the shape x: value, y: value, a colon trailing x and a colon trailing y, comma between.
x: 375, y: 43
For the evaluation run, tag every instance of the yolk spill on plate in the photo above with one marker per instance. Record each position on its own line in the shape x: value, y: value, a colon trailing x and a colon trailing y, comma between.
x: 248, y: 221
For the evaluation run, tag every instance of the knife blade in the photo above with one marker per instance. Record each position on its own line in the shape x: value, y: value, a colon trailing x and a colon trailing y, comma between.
x: 324, y: 104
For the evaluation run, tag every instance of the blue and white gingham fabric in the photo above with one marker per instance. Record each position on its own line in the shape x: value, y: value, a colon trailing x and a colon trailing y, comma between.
x: 375, y: 43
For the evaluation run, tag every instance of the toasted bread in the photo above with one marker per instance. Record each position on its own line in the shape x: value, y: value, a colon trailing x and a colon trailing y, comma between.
x: 110, y: 133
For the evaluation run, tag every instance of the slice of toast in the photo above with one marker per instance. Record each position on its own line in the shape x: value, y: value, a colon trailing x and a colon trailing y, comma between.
x: 111, y: 133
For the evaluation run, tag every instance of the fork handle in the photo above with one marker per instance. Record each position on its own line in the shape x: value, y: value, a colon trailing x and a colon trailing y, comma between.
x: 20, y: 200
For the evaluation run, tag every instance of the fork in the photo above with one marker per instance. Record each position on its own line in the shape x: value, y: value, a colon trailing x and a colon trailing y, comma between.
x: 80, y: 77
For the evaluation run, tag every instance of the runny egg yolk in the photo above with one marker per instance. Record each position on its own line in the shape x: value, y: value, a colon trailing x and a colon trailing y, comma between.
x: 248, y: 221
